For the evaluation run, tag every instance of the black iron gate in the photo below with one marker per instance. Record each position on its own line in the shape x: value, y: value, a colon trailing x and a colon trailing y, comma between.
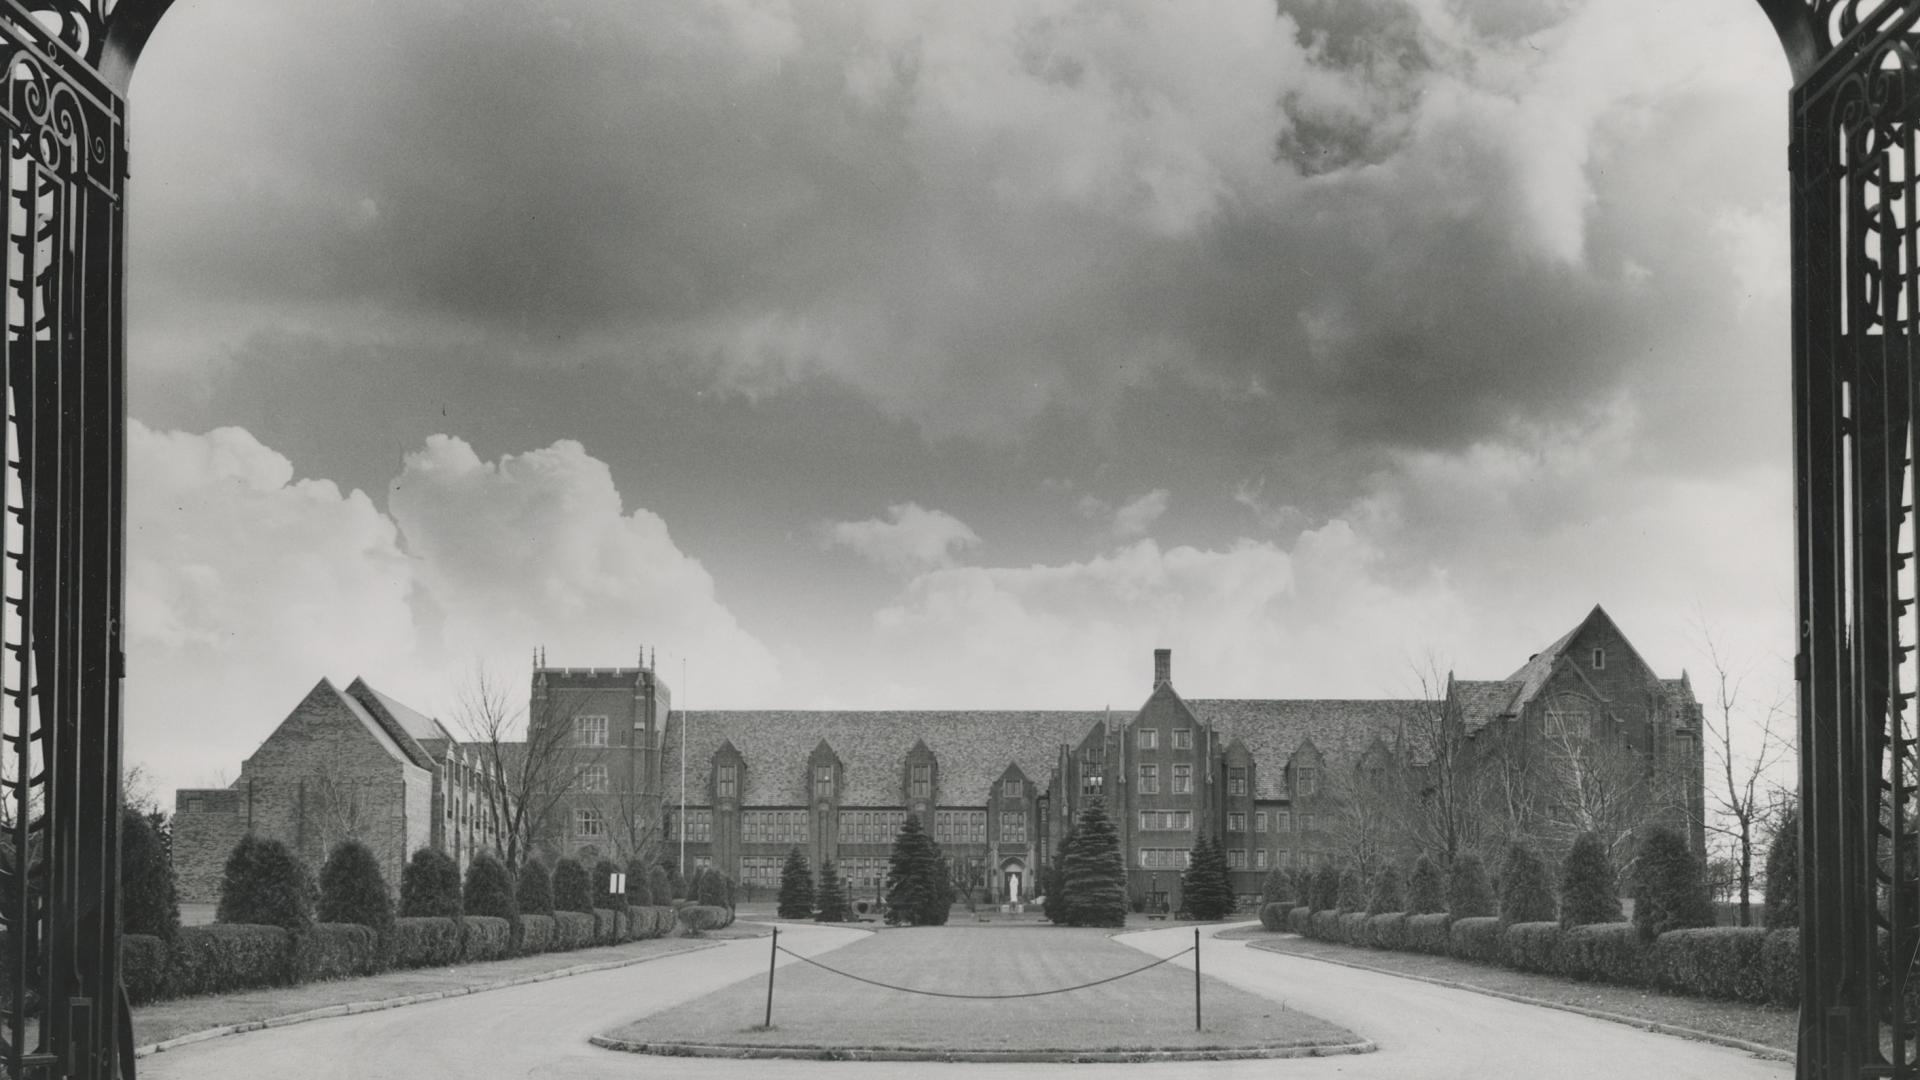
x: 1854, y: 156
x: 63, y: 69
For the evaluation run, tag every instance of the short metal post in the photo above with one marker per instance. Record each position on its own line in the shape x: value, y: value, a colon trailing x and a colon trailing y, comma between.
x: 772, y: 955
x: 1196, y: 978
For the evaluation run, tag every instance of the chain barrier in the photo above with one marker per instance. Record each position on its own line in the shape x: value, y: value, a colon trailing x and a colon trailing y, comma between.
x: 981, y: 997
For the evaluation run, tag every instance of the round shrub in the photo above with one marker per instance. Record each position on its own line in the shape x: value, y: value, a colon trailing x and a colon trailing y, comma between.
x: 1783, y: 874
x: 489, y: 889
x: 1426, y: 889
x: 700, y: 918
x: 1386, y: 893
x: 1276, y: 888
x: 1525, y: 895
x: 1668, y: 891
x: 352, y: 889
x: 1352, y: 892
x: 660, y: 884
x: 534, y: 891
x: 572, y: 888
x: 149, y: 903
x: 265, y: 884
x: 1468, y: 896
x: 430, y: 886
x: 1324, y: 892
x: 603, y: 894
x: 1273, y: 917
x: 711, y: 889
x: 1587, y: 893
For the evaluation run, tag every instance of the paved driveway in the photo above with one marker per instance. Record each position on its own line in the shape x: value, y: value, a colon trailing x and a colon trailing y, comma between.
x: 540, y: 1031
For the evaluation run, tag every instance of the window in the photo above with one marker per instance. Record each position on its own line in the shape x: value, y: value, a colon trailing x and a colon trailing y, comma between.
x: 783, y: 827
x: 729, y: 785
x: 593, y: 778
x: 588, y: 822
x: 1091, y: 782
x: 1183, y: 738
x: 1569, y: 717
x: 867, y: 874
x: 1286, y: 859
x: 1237, y: 859
x: 1013, y: 826
x: 1259, y: 858
x: 870, y: 826
x: 1091, y: 756
x: 1166, y: 820
x: 1308, y: 780
x: 698, y: 825
x: 922, y: 785
x: 1306, y: 822
x: 1013, y: 789
x: 1236, y: 822
x: 1259, y: 821
x: 590, y: 730
x: 1183, y: 779
x: 823, y: 782
x: 1149, y: 779
x: 1149, y: 738
x: 1599, y: 659
x: 1164, y: 858
x: 761, y: 870
x: 1237, y: 781
x: 960, y: 827
x: 1282, y: 821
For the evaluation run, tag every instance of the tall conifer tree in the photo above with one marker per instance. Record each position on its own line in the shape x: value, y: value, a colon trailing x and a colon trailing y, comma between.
x: 830, y: 895
x: 1093, y: 872
x: 1206, y: 886
x: 918, y: 892
x: 796, y: 887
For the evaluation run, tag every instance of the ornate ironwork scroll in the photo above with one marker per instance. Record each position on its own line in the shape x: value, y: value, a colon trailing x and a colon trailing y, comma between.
x: 1855, y: 160
x: 63, y: 71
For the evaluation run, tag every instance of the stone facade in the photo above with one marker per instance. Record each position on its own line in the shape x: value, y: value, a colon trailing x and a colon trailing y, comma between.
x: 605, y: 727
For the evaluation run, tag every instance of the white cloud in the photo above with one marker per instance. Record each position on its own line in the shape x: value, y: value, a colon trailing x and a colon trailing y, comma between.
x: 1139, y: 514
x: 910, y: 539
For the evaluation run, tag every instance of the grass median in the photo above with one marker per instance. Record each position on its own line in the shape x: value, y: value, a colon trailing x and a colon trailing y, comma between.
x: 816, y: 1009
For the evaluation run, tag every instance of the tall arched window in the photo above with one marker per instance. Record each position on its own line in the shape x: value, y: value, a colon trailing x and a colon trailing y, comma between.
x: 1569, y: 716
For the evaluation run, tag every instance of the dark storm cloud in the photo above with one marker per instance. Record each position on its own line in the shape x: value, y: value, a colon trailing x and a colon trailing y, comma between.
x: 1379, y: 221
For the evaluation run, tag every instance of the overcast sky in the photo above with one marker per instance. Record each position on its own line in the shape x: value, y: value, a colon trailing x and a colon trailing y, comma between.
x: 871, y: 353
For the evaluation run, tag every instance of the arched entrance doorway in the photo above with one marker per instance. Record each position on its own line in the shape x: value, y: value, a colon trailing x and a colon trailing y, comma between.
x: 1013, y: 881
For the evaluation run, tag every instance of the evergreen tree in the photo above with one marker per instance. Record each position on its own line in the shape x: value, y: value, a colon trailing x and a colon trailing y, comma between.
x: 533, y: 892
x: 1054, y: 904
x: 830, y: 894
x: 638, y: 892
x: 1668, y: 893
x: 1783, y: 874
x: 796, y: 887
x: 1587, y: 893
x: 430, y: 885
x: 1352, y: 895
x: 489, y: 889
x: 1468, y: 895
x: 150, y: 903
x: 352, y: 889
x: 267, y: 884
x: 713, y: 889
x: 572, y: 887
x: 1324, y: 892
x: 1427, y: 889
x: 1206, y: 886
x: 660, y: 885
x: 1387, y: 894
x: 1275, y: 888
x: 1093, y: 872
x: 1525, y: 892
x: 918, y: 892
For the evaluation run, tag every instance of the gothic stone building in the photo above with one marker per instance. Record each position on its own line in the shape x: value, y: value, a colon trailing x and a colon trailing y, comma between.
x: 998, y: 789
x: 343, y: 763
x: 603, y: 730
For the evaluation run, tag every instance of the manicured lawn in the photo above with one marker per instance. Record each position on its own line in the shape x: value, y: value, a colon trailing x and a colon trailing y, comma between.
x: 816, y: 1008
x: 164, y: 1020
x: 1767, y: 1025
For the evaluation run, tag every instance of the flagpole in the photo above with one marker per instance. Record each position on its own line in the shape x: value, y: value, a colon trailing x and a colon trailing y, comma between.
x: 685, y: 718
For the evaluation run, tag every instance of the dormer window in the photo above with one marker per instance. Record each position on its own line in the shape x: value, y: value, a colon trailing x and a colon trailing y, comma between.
x: 922, y: 785
x: 729, y: 784
x: 1306, y: 780
x: 1599, y: 659
x: 823, y: 782
x: 1013, y: 789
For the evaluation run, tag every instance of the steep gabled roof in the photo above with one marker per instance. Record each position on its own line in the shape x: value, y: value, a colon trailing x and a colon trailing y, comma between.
x: 411, y: 730
x: 1481, y: 702
x: 1273, y: 730
x: 325, y: 694
x: 973, y: 749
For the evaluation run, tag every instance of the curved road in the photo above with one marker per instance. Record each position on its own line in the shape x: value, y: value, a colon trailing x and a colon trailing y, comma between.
x: 540, y: 1030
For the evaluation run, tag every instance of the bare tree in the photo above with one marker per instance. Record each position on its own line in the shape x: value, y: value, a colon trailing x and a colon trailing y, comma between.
x: 1741, y: 789
x: 1366, y: 812
x: 1442, y: 810
x: 339, y: 805
x: 1602, y: 786
x: 536, y: 767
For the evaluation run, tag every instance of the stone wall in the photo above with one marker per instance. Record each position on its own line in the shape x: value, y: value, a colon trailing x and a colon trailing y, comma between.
x: 207, y: 823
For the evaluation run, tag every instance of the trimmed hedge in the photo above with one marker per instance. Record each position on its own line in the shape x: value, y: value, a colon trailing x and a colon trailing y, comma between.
x: 1721, y: 962
x: 1476, y: 938
x: 1603, y: 952
x: 699, y: 918
x: 1273, y: 917
x: 219, y: 957
x: 572, y: 930
x: 1429, y: 933
x: 1534, y: 946
x: 1780, y: 960
x: 536, y: 934
x: 1324, y: 925
x: 1353, y: 927
x: 1387, y: 930
x: 145, y: 967
x: 335, y: 950
x: 1299, y: 918
x: 426, y: 941
x: 605, y: 929
x: 654, y: 921
x: 485, y: 937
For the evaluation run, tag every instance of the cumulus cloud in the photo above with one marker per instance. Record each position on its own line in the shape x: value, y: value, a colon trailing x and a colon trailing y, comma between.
x: 1137, y: 515
x: 909, y: 539
x: 246, y: 586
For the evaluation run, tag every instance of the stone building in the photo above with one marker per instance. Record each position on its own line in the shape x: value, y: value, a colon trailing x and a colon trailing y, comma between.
x: 353, y: 763
x: 998, y: 789
x: 601, y: 730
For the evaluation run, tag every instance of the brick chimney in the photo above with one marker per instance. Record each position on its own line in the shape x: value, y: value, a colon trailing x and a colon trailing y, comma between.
x: 1162, y: 667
